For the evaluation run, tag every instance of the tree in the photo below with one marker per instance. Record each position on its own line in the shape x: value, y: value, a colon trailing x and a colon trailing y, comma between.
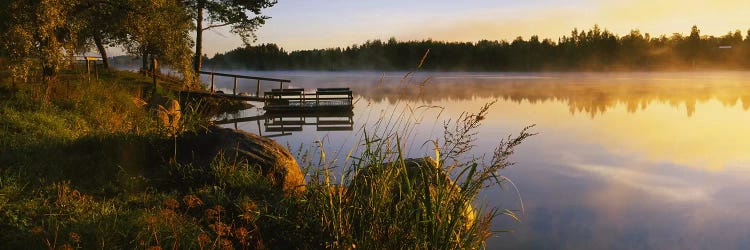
x: 233, y: 13
x: 38, y: 34
x: 693, y: 45
x: 159, y: 29
x: 103, y: 25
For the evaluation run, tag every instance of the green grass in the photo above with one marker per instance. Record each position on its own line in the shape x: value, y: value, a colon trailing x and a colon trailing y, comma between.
x: 83, y: 165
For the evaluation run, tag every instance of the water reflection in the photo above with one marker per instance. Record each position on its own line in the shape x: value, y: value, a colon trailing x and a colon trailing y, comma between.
x: 593, y: 94
x: 275, y: 124
x: 623, y: 161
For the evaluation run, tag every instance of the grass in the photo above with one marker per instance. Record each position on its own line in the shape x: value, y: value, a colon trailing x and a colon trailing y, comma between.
x: 84, y: 165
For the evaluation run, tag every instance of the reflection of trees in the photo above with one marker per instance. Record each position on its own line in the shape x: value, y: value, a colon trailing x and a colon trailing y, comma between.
x: 584, y: 93
x: 591, y: 95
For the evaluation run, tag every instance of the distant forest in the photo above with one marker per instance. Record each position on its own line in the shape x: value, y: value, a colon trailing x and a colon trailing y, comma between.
x: 594, y: 49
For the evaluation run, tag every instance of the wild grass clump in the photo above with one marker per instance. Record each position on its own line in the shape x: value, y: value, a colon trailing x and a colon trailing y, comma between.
x: 385, y: 200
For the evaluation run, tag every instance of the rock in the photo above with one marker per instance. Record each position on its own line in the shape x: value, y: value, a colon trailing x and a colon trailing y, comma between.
x: 275, y: 161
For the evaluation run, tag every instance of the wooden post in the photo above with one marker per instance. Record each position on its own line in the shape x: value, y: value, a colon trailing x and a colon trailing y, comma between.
x: 212, y: 82
x: 154, y: 66
x: 281, y: 85
x: 88, y: 69
x: 234, y: 91
x: 257, y: 89
x: 260, y: 130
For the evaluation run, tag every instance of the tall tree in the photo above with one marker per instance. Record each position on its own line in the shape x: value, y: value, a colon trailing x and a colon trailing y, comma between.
x: 159, y: 29
x: 243, y: 16
x: 103, y: 24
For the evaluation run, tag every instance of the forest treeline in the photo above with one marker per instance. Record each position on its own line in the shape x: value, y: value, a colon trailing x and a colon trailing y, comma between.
x: 592, y: 49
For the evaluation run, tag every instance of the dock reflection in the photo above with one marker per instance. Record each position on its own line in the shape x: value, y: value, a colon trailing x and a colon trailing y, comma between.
x: 275, y: 124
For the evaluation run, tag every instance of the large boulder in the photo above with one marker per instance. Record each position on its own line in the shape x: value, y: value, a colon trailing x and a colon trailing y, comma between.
x: 275, y: 161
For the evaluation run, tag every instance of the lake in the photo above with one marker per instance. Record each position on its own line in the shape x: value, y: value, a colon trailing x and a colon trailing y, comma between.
x: 621, y: 160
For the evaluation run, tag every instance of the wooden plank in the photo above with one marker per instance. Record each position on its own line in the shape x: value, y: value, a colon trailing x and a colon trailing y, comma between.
x: 333, y: 89
x: 277, y: 135
x: 334, y: 122
x: 285, y: 123
x: 283, y: 93
x: 288, y: 89
x: 246, y: 77
x: 243, y: 119
x: 349, y: 128
x: 219, y: 95
x: 283, y: 129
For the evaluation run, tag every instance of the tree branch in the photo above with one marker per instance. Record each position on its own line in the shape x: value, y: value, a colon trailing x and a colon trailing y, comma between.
x: 216, y: 26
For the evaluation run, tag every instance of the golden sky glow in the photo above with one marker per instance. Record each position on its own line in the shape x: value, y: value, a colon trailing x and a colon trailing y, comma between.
x: 321, y: 24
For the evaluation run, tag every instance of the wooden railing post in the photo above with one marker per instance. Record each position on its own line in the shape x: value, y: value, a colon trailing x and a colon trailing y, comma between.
x: 281, y: 85
x: 234, y: 91
x: 88, y: 67
x: 212, y: 83
x: 154, y: 66
x: 257, y: 89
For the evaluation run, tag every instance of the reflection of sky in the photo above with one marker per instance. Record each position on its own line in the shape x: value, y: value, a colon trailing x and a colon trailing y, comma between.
x: 656, y: 177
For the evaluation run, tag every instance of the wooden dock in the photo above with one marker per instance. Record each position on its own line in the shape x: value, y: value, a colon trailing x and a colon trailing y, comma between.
x: 243, y: 96
x: 299, y: 100
x: 283, y: 99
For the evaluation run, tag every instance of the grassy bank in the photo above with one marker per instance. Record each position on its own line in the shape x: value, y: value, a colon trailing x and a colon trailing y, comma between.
x: 87, y: 164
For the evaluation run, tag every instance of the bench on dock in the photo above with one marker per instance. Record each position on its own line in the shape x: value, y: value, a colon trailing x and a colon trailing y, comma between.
x: 283, y: 96
x: 298, y: 100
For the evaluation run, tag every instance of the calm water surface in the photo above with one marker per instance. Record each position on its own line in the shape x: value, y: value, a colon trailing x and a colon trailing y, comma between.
x: 621, y: 161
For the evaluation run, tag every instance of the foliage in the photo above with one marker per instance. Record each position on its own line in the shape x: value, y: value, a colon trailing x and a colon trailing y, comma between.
x: 42, y: 35
x: 104, y: 25
x: 36, y: 35
x: 160, y: 29
x: 593, y: 49
x: 234, y: 14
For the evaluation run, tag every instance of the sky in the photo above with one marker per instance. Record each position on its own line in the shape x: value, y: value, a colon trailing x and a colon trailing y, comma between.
x: 310, y: 24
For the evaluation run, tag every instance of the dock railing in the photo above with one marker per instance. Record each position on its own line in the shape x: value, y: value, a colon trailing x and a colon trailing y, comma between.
x: 235, y: 77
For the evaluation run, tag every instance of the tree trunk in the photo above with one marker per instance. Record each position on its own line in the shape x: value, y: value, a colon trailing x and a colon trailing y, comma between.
x: 100, y: 47
x: 199, y: 38
x: 144, y: 59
